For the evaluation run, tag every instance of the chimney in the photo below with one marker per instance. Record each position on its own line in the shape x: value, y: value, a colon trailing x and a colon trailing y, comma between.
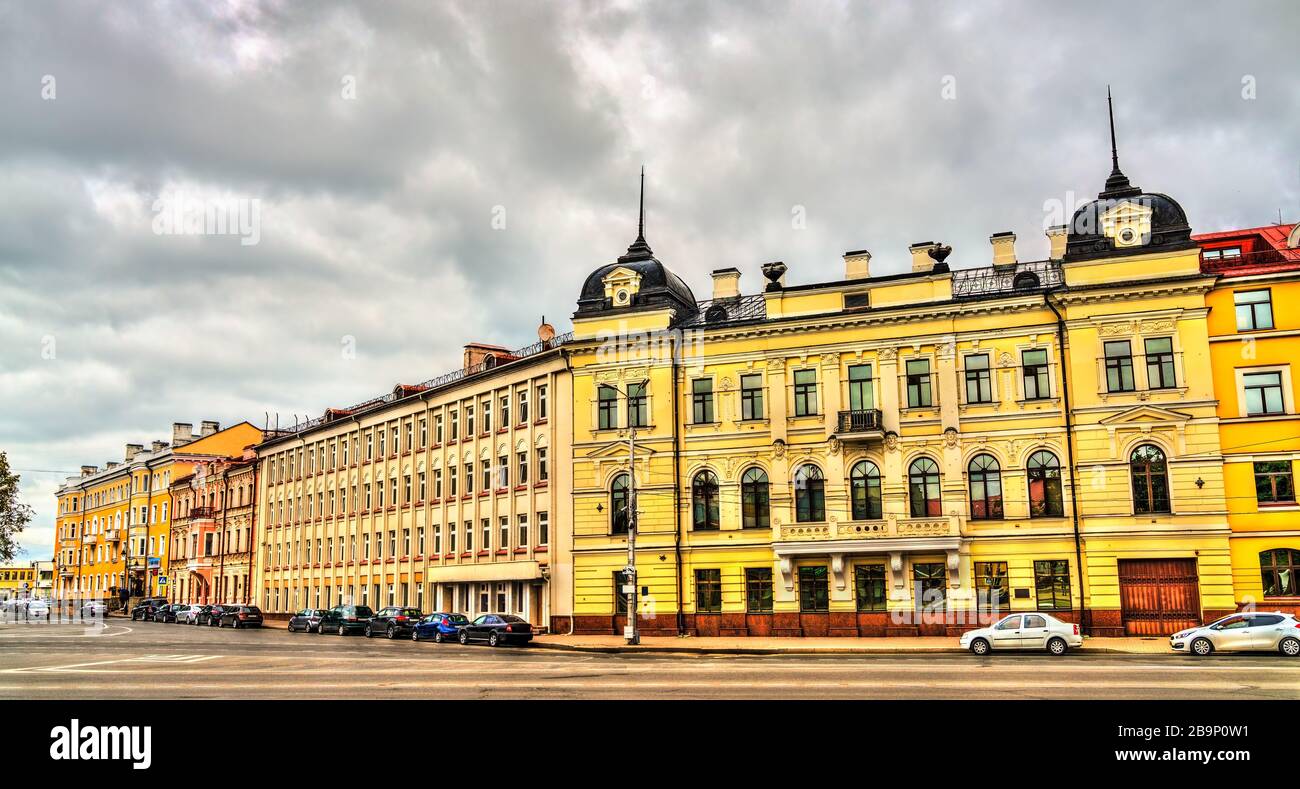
x: 857, y: 264
x: 1004, y: 248
x: 181, y: 433
x: 132, y: 450
x: 208, y: 427
x: 726, y: 283
x: 1057, y: 235
x: 110, y: 465
x: 159, y: 446
x: 86, y: 471
x: 921, y: 260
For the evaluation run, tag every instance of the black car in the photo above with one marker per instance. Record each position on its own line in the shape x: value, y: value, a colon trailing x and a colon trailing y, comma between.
x: 146, y: 608
x: 216, y: 612
x: 497, y: 630
x: 166, y: 613
x: 203, y: 616
x: 238, y: 616
x: 307, y: 620
x: 393, y: 621
x: 344, y: 619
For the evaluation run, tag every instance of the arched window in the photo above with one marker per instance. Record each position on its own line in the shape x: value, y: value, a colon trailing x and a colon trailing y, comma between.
x: 809, y: 494
x: 1280, y: 568
x: 704, y: 501
x: 1044, y: 472
x: 618, y: 498
x: 1149, y: 471
x: 985, y: 476
x: 923, y: 488
x: 753, y: 499
x: 864, y: 487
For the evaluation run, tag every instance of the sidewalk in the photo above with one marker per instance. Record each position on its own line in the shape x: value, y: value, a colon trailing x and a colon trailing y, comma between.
x: 831, y: 646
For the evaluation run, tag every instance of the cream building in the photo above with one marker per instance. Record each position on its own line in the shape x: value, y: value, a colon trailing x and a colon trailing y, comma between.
x: 443, y: 495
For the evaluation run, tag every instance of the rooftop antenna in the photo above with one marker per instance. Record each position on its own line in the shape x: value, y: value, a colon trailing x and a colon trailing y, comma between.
x: 639, y: 250
x: 1117, y: 185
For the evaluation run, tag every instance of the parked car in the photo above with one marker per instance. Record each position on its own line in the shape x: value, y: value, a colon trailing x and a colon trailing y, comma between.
x: 306, y: 620
x: 94, y: 609
x: 344, y: 619
x: 392, y: 622
x: 238, y: 616
x: 216, y: 612
x: 1246, y: 632
x: 186, y: 613
x: 439, y: 627
x: 167, y: 613
x: 146, y: 608
x: 202, y: 616
x: 497, y: 630
x: 38, y: 609
x: 1024, y: 631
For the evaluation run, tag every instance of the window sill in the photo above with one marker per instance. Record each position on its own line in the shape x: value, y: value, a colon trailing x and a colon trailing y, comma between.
x: 1289, y: 506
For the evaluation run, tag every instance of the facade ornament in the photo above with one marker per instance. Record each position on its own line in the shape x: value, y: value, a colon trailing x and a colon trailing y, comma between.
x: 1006, y: 360
x: 1115, y: 329
x: 1160, y: 324
x: 947, y: 348
x: 835, y: 445
x: 778, y: 448
x: 776, y: 364
x: 891, y: 441
x: 950, y: 437
x: 727, y: 385
x: 888, y: 354
x: 830, y: 360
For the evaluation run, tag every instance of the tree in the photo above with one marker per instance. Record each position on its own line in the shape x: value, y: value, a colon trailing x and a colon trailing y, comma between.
x: 14, y: 515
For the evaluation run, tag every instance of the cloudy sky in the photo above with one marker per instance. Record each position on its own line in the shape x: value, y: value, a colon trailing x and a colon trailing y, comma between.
x: 426, y: 173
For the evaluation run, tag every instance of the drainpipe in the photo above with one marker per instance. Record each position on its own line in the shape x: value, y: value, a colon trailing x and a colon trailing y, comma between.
x: 1084, y: 624
x: 252, y: 535
x: 677, y: 487
x: 224, y: 494
x: 573, y: 572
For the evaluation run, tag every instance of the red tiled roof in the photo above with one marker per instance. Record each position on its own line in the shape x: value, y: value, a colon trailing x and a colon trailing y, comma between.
x: 1267, y: 253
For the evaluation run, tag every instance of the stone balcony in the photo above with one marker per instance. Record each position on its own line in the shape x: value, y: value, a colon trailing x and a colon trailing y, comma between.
x: 889, y: 534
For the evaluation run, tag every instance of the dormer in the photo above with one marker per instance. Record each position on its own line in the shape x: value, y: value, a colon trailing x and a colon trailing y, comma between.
x: 621, y: 286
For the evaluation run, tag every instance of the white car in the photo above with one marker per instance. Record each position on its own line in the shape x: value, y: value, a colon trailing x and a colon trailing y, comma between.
x: 1033, y: 630
x: 187, y: 614
x: 1246, y: 632
x: 38, y: 609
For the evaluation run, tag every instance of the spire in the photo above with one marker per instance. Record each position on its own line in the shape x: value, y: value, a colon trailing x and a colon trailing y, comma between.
x: 639, y: 250
x: 1117, y: 185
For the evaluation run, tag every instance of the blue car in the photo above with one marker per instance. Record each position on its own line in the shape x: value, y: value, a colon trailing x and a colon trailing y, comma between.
x: 439, y: 628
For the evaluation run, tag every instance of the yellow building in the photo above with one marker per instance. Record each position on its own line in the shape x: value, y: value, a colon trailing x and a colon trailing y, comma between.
x: 895, y: 454
x: 112, y: 525
x: 19, y: 582
x: 1254, y: 328
x: 443, y: 496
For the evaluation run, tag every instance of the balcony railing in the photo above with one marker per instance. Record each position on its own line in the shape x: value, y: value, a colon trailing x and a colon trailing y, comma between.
x: 863, y: 422
x: 113, y: 535
x: 87, y: 539
x: 201, y: 512
x: 937, y: 526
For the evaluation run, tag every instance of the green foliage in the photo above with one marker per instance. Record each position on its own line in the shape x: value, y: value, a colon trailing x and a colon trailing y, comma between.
x: 14, y: 515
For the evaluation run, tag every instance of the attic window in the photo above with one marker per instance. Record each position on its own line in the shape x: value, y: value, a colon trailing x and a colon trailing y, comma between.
x: 1025, y: 280
x: 1222, y: 253
x: 489, y: 361
x: 857, y: 301
x: 715, y: 314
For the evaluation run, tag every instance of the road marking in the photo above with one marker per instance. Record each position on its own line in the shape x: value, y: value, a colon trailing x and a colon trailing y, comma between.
x: 99, y: 631
x: 80, y: 668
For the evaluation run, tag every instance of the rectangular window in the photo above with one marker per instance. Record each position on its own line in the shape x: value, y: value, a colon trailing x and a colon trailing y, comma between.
x: 505, y: 411
x: 1033, y: 365
x: 918, y: 384
x: 861, y: 395
x: 751, y: 396
x: 869, y: 587
x: 468, y: 536
x: 437, y: 539
x: 606, y: 408
x: 620, y: 596
x: 486, y: 470
x: 1119, y: 366
x: 543, y: 467
x: 708, y: 591
x: 485, y: 525
x: 437, y: 483
x: 469, y: 421
x: 1160, y: 363
x: 1273, y: 483
x: 805, y: 392
x: 1222, y: 253
x: 523, y: 531
x: 503, y: 524
x: 991, y: 587
x: 455, y: 425
x: 814, y: 589
x: 1052, y: 581
x: 521, y: 470
x: 1263, y: 393
x: 452, y: 480
x: 469, y: 478
x: 487, y: 416
x: 541, y: 402
x: 758, y: 590
x: 930, y: 585
x: 543, y: 528
x: 437, y: 429
x: 637, y: 415
x: 424, y: 432
x: 979, y: 380
x: 522, y: 397
x: 1254, y: 309
x: 503, y: 471
x: 702, y: 400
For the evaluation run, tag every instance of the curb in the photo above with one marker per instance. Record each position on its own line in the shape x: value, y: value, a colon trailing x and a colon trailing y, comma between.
x: 620, y: 650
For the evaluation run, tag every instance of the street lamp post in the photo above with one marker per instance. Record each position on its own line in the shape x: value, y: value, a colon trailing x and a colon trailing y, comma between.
x: 631, y: 632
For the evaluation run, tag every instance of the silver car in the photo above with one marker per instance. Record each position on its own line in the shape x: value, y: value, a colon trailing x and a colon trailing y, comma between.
x: 1245, y: 632
x: 186, y: 614
x: 1034, y: 630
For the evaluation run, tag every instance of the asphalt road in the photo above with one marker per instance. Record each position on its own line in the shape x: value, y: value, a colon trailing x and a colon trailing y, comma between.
x: 163, y: 661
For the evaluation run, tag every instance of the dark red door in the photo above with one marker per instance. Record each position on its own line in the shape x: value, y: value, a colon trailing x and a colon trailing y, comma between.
x: 1158, y: 597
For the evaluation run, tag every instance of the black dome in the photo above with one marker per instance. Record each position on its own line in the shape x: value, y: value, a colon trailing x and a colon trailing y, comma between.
x: 659, y: 288
x: 1169, y: 228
